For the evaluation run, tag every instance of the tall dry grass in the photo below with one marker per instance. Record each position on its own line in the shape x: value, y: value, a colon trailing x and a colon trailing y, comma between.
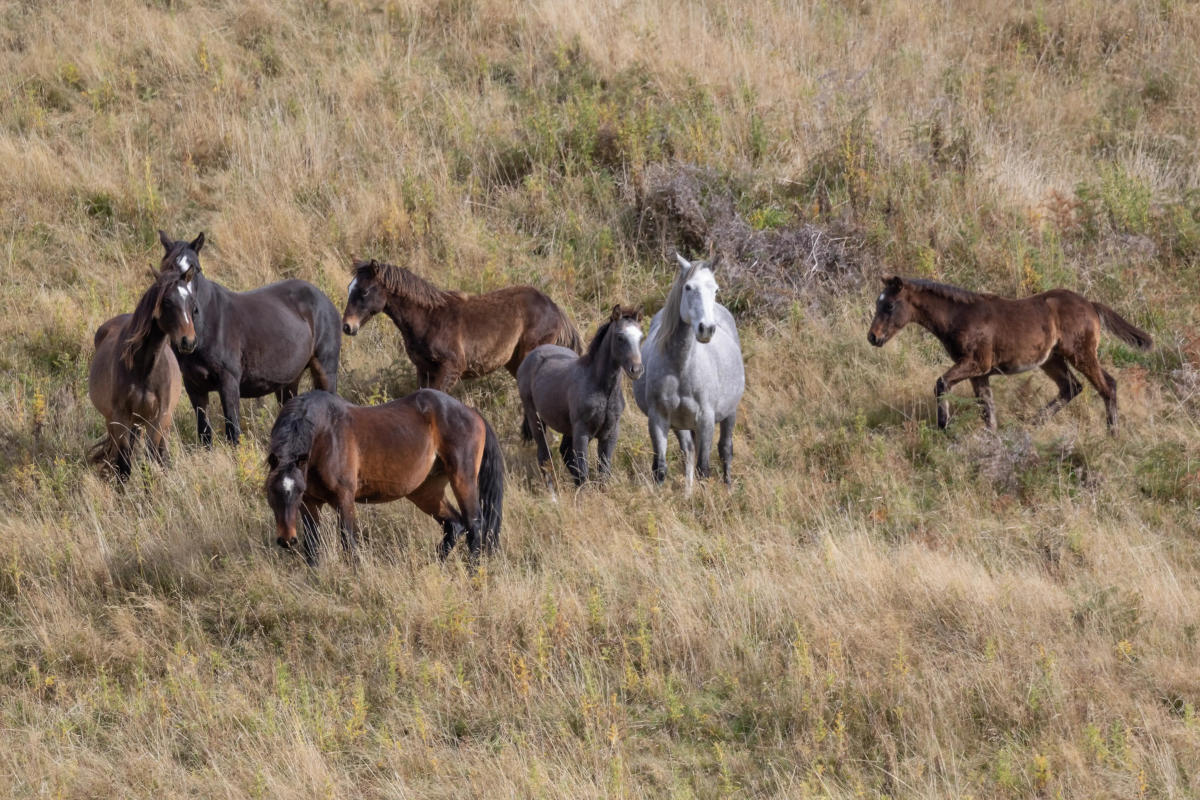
x: 875, y: 609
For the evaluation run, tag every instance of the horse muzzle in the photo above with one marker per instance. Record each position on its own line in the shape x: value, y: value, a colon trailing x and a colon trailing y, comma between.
x: 187, y: 345
x: 704, y: 333
x: 350, y: 330
x: 877, y: 341
x: 636, y: 371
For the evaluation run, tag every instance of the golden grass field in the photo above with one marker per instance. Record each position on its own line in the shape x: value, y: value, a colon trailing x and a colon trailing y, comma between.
x: 876, y: 608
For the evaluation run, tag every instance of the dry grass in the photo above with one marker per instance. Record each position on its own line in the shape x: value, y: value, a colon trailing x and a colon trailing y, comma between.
x: 875, y: 609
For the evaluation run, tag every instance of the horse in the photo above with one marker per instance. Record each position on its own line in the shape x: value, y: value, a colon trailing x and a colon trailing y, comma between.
x: 580, y: 396
x: 134, y: 379
x: 989, y: 335
x: 451, y: 335
x: 694, y: 375
x: 250, y: 344
x: 327, y: 451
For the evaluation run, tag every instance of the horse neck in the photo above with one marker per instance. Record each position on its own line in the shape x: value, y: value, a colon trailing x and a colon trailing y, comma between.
x: 147, y: 351
x: 934, y: 313
x: 679, y: 347
x: 603, y: 370
x: 411, y: 318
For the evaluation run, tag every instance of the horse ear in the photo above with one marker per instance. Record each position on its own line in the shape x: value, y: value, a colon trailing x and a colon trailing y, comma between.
x: 198, y: 242
x: 714, y: 263
x: 684, y: 264
x: 616, y: 313
x: 637, y: 312
x: 165, y: 240
x: 893, y: 282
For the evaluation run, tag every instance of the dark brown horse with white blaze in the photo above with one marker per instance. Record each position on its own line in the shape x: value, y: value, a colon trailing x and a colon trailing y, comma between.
x: 451, y: 335
x: 327, y: 451
x: 134, y: 380
x: 988, y: 335
x: 251, y: 344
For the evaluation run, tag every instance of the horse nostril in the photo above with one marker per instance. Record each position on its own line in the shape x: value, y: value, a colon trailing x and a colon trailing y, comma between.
x: 349, y: 329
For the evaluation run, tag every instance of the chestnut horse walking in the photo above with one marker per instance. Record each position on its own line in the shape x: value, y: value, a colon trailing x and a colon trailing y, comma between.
x: 449, y: 335
x: 134, y: 380
x: 251, y: 344
x: 327, y: 451
x: 989, y: 335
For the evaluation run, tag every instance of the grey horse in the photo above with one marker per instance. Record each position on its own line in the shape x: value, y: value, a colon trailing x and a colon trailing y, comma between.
x: 580, y: 396
x: 694, y: 375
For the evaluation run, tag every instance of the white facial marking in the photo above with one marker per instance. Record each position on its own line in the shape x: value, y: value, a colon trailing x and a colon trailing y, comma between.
x: 183, y: 291
x: 184, y: 264
x: 350, y: 288
x: 881, y: 296
x: 288, y: 485
x: 633, y: 332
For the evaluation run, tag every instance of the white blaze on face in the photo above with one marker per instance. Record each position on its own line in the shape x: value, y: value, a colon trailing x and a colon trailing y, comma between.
x: 881, y: 296
x: 633, y: 332
x: 288, y: 485
x: 350, y: 288
x: 183, y: 292
x: 184, y: 264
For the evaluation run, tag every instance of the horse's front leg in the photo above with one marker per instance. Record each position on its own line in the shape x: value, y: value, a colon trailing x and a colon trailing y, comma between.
x: 704, y: 438
x: 658, y: 441
x: 347, y: 524
x: 956, y: 374
x: 987, y: 407
x: 606, y: 445
x: 579, y: 447
x: 688, y: 447
x: 199, y: 401
x: 445, y: 376
x: 725, y: 446
x: 230, y: 397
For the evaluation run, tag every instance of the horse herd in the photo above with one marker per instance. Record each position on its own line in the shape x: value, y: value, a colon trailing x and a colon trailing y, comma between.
x: 189, y: 333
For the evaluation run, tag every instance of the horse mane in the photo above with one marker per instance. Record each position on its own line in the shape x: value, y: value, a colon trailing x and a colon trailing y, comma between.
x: 955, y: 294
x: 597, y: 340
x: 670, y: 311
x: 405, y: 283
x: 142, y: 320
x: 292, y: 433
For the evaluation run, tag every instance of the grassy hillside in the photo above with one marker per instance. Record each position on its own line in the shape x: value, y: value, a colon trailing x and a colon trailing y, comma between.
x: 876, y: 608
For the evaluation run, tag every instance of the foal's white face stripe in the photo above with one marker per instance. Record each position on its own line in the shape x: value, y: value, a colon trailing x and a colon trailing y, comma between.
x: 633, y: 332
x: 288, y: 485
x: 184, y: 264
x: 183, y: 291
x: 350, y: 288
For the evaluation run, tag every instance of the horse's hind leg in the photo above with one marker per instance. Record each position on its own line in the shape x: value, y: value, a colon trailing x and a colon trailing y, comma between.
x: 1068, y: 386
x: 983, y: 392
x: 466, y: 491
x: 1089, y: 366
x: 725, y: 446
x: 347, y: 524
x: 430, y: 497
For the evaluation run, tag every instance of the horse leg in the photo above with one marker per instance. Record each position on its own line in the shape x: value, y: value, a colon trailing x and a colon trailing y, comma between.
x: 444, y: 377
x: 704, y: 437
x: 1068, y: 386
x: 156, y: 441
x: 203, y: 426
x: 285, y: 393
x: 545, y: 465
x: 689, y: 460
x: 725, y: 446
x: 956, y: 374
x: 983, y: 392
x: 310, y: 517
x: 606, y: 445
x: 230, y: 396
x: 466, y: 491
x: 1089, y: 366
x: 579, y: 455
x: 120, y: 433
x: 347, y: 524
x: 430, y: 497
x: 658, y: 440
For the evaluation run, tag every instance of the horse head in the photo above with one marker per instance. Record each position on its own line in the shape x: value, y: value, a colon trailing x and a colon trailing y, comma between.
x: 698, y: 302
x: 177, y: 309
x: 364, y: 297
x: 179, y: 255
x: 626, y: 333
x: 893, y: 311
x: 286, y: 483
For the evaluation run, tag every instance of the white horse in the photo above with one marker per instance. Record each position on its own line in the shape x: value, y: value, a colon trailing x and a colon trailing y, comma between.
x: 694, y: 377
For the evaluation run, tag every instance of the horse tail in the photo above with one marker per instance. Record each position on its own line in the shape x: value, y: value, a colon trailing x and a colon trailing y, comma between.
x: 567, y: 335
x: 1121, y: 328
x: 491, y: 488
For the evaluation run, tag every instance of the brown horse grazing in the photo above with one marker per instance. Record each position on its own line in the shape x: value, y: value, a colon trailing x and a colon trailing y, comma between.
x: 989, y: 335
x: 449, y: 335
x: 325, y: 450
x: 134, y: 380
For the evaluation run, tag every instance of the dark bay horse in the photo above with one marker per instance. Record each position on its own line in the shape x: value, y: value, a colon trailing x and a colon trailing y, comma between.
x: 251, y: 344
x: 134, y: 380
x: 327, y: 451
x: 580, y: 396
x: 988, y: 335
x: 449, y: 335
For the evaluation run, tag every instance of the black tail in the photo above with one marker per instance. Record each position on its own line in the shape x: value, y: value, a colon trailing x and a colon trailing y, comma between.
x: 491, y: 490
x: 1118, y: 326
x: 567, y: 335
